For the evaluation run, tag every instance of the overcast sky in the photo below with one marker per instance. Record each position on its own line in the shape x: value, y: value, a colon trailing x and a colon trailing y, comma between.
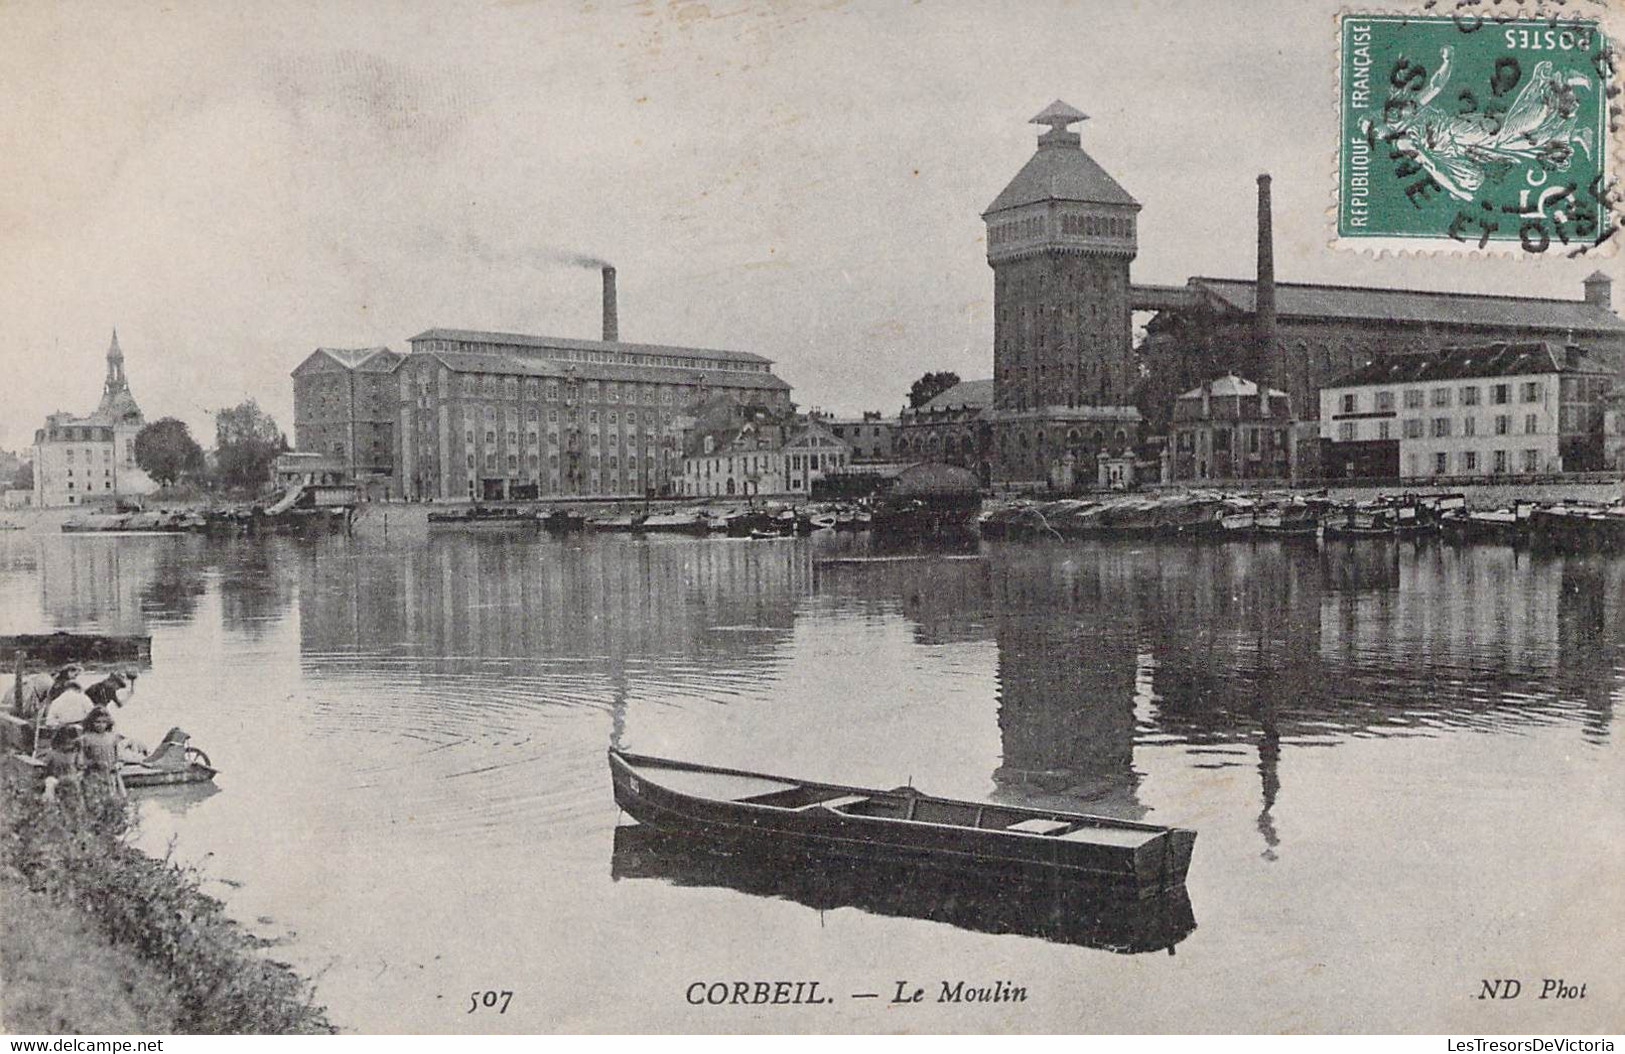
x: 235, y: 184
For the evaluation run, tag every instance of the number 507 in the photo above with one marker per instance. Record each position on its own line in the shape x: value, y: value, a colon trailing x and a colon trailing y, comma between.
x: 489, y: 1000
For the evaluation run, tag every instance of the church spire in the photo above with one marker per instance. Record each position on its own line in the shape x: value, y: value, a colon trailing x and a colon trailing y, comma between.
x: 118, y: 403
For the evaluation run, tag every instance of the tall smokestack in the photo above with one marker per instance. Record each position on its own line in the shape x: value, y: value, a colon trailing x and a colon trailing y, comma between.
x: 612, y: 318
x: 1264, y: 295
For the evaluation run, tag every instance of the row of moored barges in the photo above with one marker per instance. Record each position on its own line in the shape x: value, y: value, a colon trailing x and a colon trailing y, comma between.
x: 1572, y: 524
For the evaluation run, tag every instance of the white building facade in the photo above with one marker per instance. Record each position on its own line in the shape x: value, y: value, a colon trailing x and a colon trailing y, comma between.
x: 809, y: 455
x: 1502, y: 410
x: 753, y: 462
x: 733, y: 474
x: 80, y: 459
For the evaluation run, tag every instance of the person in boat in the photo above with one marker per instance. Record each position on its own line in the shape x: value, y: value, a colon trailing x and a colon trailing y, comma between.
x: 70, y: 707
x: 39, y: 689
x: 113, y: 690
x: 65, y: 769
x: 100, y: 745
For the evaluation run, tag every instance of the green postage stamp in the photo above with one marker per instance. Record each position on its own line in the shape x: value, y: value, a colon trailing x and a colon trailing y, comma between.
x: 1469, y: 133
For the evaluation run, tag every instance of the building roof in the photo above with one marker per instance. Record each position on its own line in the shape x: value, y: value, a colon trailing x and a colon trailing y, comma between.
x: 1060, y: 170
x: 1227, y: 385
x: 522, y: 340
x: 1306, y: 300
x: 1489, y: 360
x: 1059, y: 113
x: 813, y: 434
x: 379, y: 360
x: 965, y: 393
x: 515, y: 365
x: 364, y: 360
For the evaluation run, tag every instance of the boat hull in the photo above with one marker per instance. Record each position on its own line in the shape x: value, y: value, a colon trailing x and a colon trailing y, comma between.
x: 1156, y: 862
x: 1063, y: 914
x: 135, y: 775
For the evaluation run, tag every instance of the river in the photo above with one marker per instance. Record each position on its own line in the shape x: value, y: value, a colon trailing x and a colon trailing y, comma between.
x: 1399, y: 758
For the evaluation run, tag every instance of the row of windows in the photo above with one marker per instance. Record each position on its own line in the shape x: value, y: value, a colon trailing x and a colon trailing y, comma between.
x: 1084, y: 225
x: 1098, y: 226
x: 650, y: 417
x: 1437, y: 428
x: 1469, y: 462
x: 1222, y: 440
x: 1470, y: 395
x: 532, y: 438
x: 535, y: 459
x: 625, y: 358
x: 491, y: 385
x: 86, y: 434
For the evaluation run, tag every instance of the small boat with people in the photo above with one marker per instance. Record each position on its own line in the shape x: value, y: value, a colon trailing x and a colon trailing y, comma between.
x: 174, y: 761
x: 49, y: 692
x: 734, y: 806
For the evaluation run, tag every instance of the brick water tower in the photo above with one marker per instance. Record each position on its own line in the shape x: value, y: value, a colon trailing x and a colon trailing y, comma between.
x: 1060, y: 239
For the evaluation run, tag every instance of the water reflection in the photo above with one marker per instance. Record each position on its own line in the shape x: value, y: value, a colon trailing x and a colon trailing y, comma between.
x: 178, y: 799
x: 1072, y: 914
x: 1245, y: 652
x: 385, y: 715
x: 460, y: 598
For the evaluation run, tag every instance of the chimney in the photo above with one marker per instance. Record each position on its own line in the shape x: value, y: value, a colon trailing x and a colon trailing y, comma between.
x: 1600, y: 291
x: 612, y: 319
x: 1264, y: 293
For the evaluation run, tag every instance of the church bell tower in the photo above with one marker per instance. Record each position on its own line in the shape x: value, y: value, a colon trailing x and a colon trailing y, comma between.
x: 1060, y: 239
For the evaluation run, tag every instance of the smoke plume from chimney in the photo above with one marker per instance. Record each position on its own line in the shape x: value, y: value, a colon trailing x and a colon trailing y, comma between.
x: 612, y: 321
x: 1264, y: 291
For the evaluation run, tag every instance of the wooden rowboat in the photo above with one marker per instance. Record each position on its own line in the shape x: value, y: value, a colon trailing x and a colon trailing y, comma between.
x: 901, y: 825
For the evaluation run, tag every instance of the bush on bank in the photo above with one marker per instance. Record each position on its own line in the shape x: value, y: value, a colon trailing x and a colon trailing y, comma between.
x: 222, y: 981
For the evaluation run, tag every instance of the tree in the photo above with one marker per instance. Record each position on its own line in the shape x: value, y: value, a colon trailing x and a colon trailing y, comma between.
x: 930, y: 386
x: 166, y: 451
x: 24, y: 478
x: 246, y: 443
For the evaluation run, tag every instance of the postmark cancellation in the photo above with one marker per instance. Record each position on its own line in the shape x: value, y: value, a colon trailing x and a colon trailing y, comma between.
x: 1466, y: 133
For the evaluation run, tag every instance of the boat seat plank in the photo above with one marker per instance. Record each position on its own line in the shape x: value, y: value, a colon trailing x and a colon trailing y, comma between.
x: 1038, y: 825
x: 717, y: 786
x: 1127, y: 837
x: 844, y: 801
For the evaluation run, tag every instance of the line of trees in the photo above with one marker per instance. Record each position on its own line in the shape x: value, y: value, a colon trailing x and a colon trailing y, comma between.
x: 246, y: 443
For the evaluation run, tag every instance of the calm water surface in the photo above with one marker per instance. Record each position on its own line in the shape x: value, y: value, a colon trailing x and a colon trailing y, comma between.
x: 1400, y: 758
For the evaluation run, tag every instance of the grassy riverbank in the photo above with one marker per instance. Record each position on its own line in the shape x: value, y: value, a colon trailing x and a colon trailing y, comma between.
x: 101, y: 937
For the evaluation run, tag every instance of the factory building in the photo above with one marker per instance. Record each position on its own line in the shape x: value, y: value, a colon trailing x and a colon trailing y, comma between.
x: 495, y: 416
x: 345, y: 405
